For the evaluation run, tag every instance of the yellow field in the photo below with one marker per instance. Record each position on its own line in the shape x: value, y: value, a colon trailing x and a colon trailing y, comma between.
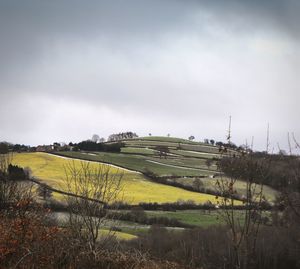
x: 136, y: 188
x: 118, y: 235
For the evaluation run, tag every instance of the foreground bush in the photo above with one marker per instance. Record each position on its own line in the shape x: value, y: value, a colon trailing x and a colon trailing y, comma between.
x: 211, y: 248
x: 26, y: 239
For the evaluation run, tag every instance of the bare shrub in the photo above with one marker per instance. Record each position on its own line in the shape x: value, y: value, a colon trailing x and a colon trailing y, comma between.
x: 93, y: 187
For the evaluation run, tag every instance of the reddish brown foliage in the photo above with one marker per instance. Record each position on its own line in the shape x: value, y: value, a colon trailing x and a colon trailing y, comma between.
x: 25, y: 239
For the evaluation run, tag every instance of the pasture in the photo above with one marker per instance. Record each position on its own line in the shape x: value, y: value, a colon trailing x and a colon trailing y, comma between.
x: 141, y: 163
x: 240, y: 186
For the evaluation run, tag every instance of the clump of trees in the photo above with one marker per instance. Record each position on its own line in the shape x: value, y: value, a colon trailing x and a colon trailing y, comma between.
x: 162, y: 151
x: 210, y: 141
x: 121, y: 136
x: 17, y: 173
x: 191, y: 138
x: 276, y: 171
x: 6, y: 147
x: 89, y: 145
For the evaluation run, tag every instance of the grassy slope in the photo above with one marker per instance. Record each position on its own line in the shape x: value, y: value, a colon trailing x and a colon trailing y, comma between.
x: 193, y: 217
x: 201, y: 218
x: 168, y: 139
x: 172, y: 142
x: 186, y: 162
x: 133, y: 150
x: 194, y: 158
x: 135, y: 187
x: 137, y: 153
x: 137, y: 163
x: 240, y: 186
x: 194, y: 154
x: 163, y: 139
x: 200, y: 155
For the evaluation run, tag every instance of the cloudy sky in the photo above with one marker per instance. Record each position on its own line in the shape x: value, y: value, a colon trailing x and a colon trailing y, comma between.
x: 69, y: 69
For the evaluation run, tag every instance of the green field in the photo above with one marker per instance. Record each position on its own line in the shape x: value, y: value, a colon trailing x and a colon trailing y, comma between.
x: 150, y: 144
x: 185, y: 159
x: 240, y: 186
x: 195, y: 154
x: 163, y: 139
x: 141, y: 155
x: 167, y: 139
x: 135, y: 187
x: 143, y: 151
x: 188, y: 163
x: 199, y: 218
x: 140, y: 163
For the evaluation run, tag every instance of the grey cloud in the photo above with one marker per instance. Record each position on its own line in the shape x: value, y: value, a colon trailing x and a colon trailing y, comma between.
x: 28, y: 28
x: 158, y: 64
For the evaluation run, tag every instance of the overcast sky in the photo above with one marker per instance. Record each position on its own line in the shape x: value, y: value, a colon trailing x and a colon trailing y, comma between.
x: 70, y: 69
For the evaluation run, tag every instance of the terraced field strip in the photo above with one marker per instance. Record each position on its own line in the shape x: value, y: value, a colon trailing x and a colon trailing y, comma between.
x: 132, y: 162
x: 168, y: 139
x: 95, y: 162
x: 135, y: 188
x: 201, y: 148
x: 136, y: 150
x: 181, y: 167
x: 182, y: 162
x: 161, y: 138
x: 179, y: 144
x: 195, y: 154
x: 146, y: 143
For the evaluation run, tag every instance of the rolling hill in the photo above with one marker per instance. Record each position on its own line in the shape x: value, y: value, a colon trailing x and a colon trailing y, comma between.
x: 135, y: 189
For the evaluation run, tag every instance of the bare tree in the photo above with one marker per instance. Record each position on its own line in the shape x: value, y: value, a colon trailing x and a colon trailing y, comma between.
x: 209, y: 163
x: 297, y: 145
x: 162, y: 151
x: 291, y: 192
x: 95, y: 186
x: 44, y: 192
x: 198, y: 184
x: 243, y: 226
x: 101, y: 140
x: 95, y: 138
